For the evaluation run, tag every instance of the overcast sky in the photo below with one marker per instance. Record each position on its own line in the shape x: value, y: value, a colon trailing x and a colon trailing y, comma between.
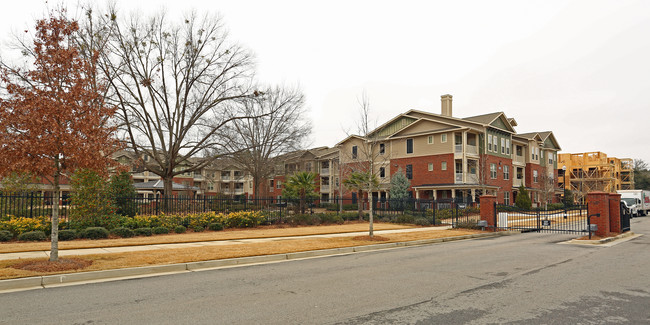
x: 578, y: 68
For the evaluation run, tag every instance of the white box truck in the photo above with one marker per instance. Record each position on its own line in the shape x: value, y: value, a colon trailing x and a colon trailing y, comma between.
x: 638, y: 200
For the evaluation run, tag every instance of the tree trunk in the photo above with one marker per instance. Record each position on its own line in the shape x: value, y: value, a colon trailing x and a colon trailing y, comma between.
x: 54, y: 247
x: 360, y: 204
x: 167, y: 194
x: 371, y: 231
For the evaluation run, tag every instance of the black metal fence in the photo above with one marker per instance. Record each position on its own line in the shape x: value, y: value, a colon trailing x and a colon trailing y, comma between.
x: 31, y: 205
x: 568, y: 219
x: 419, y: 211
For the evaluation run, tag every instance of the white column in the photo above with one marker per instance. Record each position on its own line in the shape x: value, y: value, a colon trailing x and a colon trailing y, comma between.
x: 465, y: 157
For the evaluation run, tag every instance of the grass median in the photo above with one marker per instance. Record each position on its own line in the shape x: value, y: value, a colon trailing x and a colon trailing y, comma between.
x: 229, y: 250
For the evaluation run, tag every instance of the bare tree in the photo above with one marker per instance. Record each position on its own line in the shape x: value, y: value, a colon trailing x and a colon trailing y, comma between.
x: 547, y: 185
x: 173, y: 85
x: 256, y: 142
x: 371, y: 156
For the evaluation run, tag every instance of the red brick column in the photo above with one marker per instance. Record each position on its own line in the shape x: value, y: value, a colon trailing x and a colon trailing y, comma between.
x: 487, y: 208
x: 615, y: 213
x: 598, y: 202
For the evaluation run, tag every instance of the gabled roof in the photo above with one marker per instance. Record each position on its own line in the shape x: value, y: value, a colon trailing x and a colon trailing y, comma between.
x: 496, y: 120
x: 529, y: 136
x: 485, y: 119
x: 348, y: 138
x: 548, y: 137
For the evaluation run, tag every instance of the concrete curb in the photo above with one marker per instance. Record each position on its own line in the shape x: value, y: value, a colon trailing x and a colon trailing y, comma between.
x: 625, y: 235
x: 61, y: 279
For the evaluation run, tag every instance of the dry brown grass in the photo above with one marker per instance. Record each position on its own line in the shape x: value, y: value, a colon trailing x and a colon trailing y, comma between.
x: 190, y: 237
x: 204, y: 253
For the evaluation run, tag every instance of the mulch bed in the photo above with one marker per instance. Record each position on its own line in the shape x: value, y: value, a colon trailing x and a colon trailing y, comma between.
x: 63, y: 264
x: 373, y: 238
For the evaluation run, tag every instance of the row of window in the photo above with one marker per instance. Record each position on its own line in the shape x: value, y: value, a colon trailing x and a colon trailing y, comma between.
x: 493, y: 145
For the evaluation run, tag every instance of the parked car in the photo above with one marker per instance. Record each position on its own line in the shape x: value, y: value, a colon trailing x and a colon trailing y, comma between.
x: 642, y: 200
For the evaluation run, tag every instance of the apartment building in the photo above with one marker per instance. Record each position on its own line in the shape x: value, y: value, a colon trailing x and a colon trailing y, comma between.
x: 594, y: 171
x: 223, y: 177
x: 322, y: 161
x: 446, y: 157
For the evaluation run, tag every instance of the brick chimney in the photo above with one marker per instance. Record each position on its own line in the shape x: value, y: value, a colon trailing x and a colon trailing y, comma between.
x: 446, y: 105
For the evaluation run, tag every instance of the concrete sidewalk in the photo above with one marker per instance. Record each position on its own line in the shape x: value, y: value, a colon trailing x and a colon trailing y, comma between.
x: 122, y: 249
x: 45, y: 281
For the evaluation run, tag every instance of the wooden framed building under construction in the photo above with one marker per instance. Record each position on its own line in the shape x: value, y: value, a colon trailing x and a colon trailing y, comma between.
x: 594, y: 171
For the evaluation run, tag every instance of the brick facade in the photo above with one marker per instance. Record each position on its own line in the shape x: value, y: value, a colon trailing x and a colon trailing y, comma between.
x: 421, y: 173
x: 500, y: 181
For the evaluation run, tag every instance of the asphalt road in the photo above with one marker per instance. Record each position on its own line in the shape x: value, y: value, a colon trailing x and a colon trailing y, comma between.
x: 521, y: 279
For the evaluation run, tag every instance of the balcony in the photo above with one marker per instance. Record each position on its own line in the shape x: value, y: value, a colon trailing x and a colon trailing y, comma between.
x: 459, y: 177
x: 325, y: 188
x: 225, y: 177
x: 519, y: 159
x: 239, y: 191
x: 324, y: 171
x: 469, y: 149
x: 517, y: 182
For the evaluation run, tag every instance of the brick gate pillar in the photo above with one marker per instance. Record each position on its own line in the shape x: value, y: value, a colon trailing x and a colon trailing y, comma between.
x: 615, y: 213
x: 598, y: 202
x: 487, y: 208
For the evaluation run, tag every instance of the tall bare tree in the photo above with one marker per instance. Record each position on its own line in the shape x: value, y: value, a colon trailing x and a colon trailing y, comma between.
x: 255, y: 142
x: 175, y: 85
x: 370, y: 156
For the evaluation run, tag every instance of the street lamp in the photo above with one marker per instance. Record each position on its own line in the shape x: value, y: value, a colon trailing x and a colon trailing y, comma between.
x: 564, y: 196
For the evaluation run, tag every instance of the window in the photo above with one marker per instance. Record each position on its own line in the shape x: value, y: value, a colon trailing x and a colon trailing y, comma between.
x: 443, y: 138
x: 382, y: 172
x: 503, y: 146
x: 430, y: 167
x: 443, y: 166
x: 493, y: 171
x: 278, y: 184
x: 489, y: 142
x: 430, y: 139
x: 354, y: 152
x: 506, y: 198
x: 409, y: 145
x: 506, y: 172
x: 551, y: 156
x: 495, y: 141
x: 409, y: 171
x: 535, y: 176
x: 336, y: 181
x: 507, y: 146
x: 382, y: 148
x: 541, y: 154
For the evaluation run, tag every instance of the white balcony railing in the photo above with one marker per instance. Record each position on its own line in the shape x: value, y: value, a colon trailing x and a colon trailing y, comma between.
x: 517, y: 182
x: 325, y: 188
x: 472, y: 149
x: 519, y: 159
x: 225, y: 178
x: 459, y: 177
x: 324, y: 171
x: 458, y: 148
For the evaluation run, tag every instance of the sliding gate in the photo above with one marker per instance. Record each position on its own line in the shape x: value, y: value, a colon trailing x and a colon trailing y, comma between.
x: 570, y: 219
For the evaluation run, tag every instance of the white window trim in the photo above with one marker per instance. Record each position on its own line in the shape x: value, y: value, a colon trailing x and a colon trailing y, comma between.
x: 443, y: 165
x: 430, y: 139
x: 489, y: 142
x: 430, y: 167
x: 503, y: 146
x: 443, y: 138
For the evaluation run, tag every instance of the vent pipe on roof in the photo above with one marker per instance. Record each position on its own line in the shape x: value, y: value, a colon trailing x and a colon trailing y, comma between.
x: 446, y: 105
